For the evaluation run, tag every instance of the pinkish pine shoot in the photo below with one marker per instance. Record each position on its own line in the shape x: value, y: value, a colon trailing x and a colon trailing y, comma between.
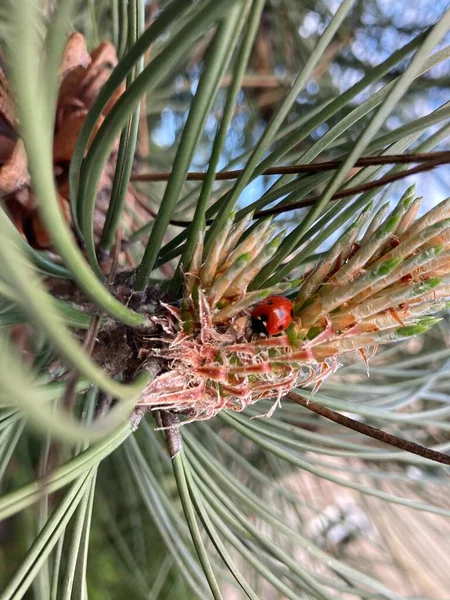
x: 369, y: 289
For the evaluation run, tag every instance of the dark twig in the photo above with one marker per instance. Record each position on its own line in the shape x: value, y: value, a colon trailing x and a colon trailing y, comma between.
x: 170, y: 422
x: 427, y: 165
x: 366, y: 161
x: 115, y: 257
x: 88, y: 345
x: 365, y: 187
x: 368, y: 430
x: 92, y: 332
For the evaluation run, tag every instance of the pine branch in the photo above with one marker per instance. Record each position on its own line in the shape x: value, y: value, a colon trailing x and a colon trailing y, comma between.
x: 426, y: 165
x: 368, y: 430
x: 442, y: 157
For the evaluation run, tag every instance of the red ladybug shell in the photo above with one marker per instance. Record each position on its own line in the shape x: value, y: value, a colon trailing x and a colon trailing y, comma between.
x: 272, y: 315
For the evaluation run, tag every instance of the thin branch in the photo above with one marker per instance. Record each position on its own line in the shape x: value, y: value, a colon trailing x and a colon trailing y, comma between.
x: 427, y: 160
x: 115, y: 257
x: 260, y: 214
x: 368, y: 430
x: 170, y: 424
x: 366, y: 161
x: 365, y: 187
x: 93, y: 329
x: 88, y: 345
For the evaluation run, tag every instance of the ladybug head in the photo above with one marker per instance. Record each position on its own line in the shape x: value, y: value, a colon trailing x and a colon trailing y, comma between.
x: 259, y: 324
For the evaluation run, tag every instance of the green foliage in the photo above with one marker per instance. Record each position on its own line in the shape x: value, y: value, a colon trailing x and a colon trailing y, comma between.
x: 89, y: 504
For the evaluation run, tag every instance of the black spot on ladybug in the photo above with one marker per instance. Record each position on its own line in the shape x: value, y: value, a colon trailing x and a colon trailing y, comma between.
x: 292, y: 313
x: 280, y: 327
x: 269, y: 302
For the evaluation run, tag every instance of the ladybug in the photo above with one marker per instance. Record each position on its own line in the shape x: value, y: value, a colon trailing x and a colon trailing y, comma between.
x: 272, y: 315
